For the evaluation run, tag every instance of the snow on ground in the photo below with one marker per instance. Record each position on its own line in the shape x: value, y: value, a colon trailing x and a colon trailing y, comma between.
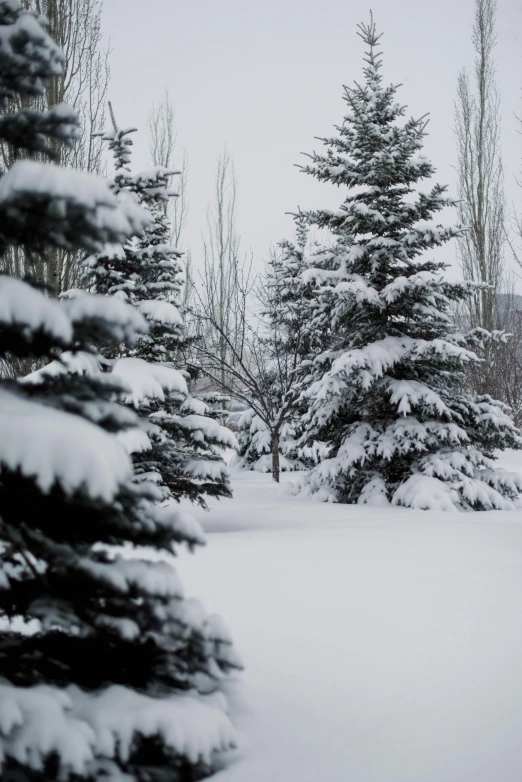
x: 380, y: 646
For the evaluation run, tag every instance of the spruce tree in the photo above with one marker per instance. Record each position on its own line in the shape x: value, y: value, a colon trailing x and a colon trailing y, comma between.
x: 183, y: 449
x: 101, y: 656
x: 389, y: 419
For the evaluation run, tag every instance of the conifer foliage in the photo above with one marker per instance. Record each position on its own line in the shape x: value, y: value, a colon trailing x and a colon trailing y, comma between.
x: 182, y: 443
x: 388, y: 418
x: 102, y: 659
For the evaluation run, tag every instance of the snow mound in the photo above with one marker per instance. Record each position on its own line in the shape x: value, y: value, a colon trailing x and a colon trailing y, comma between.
x: 193, y: 405
x: 36, y: 722
x: 374, y: 494
x: 425, y: 493
x: 207, y: 469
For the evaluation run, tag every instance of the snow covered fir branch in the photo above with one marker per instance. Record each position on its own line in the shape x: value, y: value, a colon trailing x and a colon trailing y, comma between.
x: 139, y: 390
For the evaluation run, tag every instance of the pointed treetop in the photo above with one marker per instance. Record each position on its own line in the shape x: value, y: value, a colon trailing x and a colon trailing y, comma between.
x: 368, y: 33
x: 120, y: 146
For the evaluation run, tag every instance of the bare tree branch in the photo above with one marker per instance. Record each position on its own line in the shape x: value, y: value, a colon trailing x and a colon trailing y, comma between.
x: 481, y: 180
x: 162, y: 146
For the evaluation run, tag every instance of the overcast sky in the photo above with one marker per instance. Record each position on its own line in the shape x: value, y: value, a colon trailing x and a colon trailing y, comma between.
x: 265, y: 77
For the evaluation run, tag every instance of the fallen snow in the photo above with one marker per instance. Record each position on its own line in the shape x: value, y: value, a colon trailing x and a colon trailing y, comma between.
x: 380, y: 644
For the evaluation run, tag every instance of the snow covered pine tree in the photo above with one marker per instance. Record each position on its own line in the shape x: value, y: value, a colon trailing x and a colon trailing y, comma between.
x: 100, y: 654
x: 183, y: 442
x: 389, y: 420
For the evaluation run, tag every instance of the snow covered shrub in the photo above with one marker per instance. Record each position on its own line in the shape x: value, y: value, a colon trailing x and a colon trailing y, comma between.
x: 389, y: 419
x: 103, y: 661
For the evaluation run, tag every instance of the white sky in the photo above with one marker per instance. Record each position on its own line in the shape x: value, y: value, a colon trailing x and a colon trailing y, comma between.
x: 266, y: 77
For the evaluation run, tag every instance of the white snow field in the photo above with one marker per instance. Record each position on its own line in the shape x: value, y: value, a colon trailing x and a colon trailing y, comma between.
x: 379, y: 645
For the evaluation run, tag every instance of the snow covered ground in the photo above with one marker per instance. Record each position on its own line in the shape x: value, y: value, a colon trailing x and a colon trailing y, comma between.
x: 380, y: 646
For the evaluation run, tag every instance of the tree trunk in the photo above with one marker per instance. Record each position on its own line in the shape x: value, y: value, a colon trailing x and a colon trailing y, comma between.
x: 275, y: 455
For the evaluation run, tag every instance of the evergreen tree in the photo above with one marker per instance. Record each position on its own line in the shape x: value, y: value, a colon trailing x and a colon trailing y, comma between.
x: 95, y: 647
x: 388, y: 420
x: 114, y: 271
x: 183, y: 445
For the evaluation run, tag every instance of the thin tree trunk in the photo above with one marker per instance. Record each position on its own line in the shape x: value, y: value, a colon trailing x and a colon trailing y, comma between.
x: 275, y: 455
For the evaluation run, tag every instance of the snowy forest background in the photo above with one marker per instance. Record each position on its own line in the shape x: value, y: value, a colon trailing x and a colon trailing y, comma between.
x: 153, y: 352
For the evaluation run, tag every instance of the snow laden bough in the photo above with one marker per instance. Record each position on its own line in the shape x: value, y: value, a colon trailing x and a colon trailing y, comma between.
x: 430, y: 451
x: 106, y: 668
x: 388, y: 417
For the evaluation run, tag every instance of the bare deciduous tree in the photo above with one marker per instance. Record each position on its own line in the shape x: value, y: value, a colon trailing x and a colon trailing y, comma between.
x: 480, y: 171
x: 251, y: 364
x: 264, y: 359
x: 516, y: 243
x: 223, y: 267
x: 162, y: 146
x: 480, y: 178
x: 508, y: 356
